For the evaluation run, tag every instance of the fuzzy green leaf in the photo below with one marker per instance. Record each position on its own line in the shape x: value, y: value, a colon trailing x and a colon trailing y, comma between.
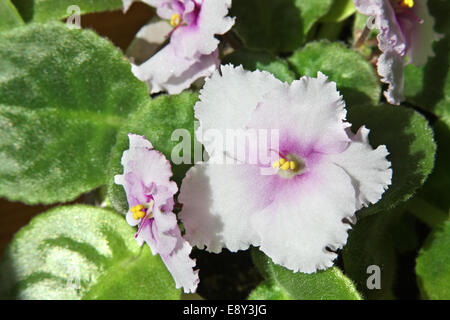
x: 48, y: 10
x: 433, y: 264
x: 268, y: 291
x: 409, y: 140
x: 82, y: 252
x: 276, y: 26
x: 330, y: 284
x: 9, y: 17
x: 157, y: 121
x: 355, y: 77
x: 261, y: 61
x: 63, y: 95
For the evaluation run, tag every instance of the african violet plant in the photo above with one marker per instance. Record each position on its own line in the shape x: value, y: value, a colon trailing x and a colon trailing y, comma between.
x: 289, y: 149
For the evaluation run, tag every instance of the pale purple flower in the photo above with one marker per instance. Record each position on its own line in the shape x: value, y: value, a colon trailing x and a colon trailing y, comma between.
x: 149, y: 190
x: 192, y: 51
x: 406, y: 30
x: 321, y: 173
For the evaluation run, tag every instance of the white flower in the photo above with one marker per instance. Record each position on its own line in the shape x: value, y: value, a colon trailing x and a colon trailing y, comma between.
x: 322, y: 173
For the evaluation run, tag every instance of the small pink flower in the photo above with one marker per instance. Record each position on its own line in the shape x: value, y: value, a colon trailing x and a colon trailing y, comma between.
x: 322, y: 173
x: 146, y: 180
x: 192, y: 51
x: 406, y: 29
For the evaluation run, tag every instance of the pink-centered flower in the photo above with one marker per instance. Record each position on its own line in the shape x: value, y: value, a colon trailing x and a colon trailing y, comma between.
x: 406, y: 30
x: 192, y: 51
x: 321, y: 173
x: 149, y: 190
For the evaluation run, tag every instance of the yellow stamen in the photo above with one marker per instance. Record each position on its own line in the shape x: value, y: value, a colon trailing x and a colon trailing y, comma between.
x: 407, y: 3
x: 285, y: 166
x: 175, y: 20
x: 292, y: 165
x: 137, y: 212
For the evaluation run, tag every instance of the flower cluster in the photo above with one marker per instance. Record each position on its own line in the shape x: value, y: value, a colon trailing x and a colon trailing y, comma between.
x: 321, y: 172
x: 296, y: 202
x: 192, y: 51
x: 406, y: 30
x: 146, y: 180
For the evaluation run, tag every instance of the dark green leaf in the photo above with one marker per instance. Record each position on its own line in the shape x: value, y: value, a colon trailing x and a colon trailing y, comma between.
x: 156, y: 121
x: 276, y: 26
x: 433, y: 264
x: 63, y: 95
x: 371, y: 243
x: 428, y: 86
x: 435, y: 190
x: 47, y: 10
x: 340, y: 11
x: 261, y: 61
x: 410, y: 143
x: 9, y: 17
x: 284, y: 284
x: 355, y: 77
x: 82, y: 252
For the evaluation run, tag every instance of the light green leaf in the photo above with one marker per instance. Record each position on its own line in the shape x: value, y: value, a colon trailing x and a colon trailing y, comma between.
x: 63, y: 95
x: 276, y: 26
x: 409, y: 140
x: 268, y: 291
x: 9, y: 17
x: 261, y: 61
x: 156, y: 120
x: 330, y: 284
x: 433, y: 264
x: 82, y: 252
x: 340, y: 10
x: 48, y: 10
x: 355, y: 77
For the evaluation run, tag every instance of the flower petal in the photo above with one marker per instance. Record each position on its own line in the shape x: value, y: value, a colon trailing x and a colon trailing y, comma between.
x: 228, y: 99
x: 420, y: 36
x: 391, y: 37
x: 390, y: 68
x: 173, y: 73
x: 368, y: 168
x: 145, y: 168
x: 204, y: 67
x: 217, y: 208
x: 310, y: 109
x: 180, y: 265
x: 298, y: 227
x: 198, y: 37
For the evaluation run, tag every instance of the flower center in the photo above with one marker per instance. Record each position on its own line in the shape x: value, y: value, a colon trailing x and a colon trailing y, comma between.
x: 138, y: 211
x: 289, y: 166
x: 144, y: 212
x: 175, y: 20
x: 404, y: 7
x: 407, y: 3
